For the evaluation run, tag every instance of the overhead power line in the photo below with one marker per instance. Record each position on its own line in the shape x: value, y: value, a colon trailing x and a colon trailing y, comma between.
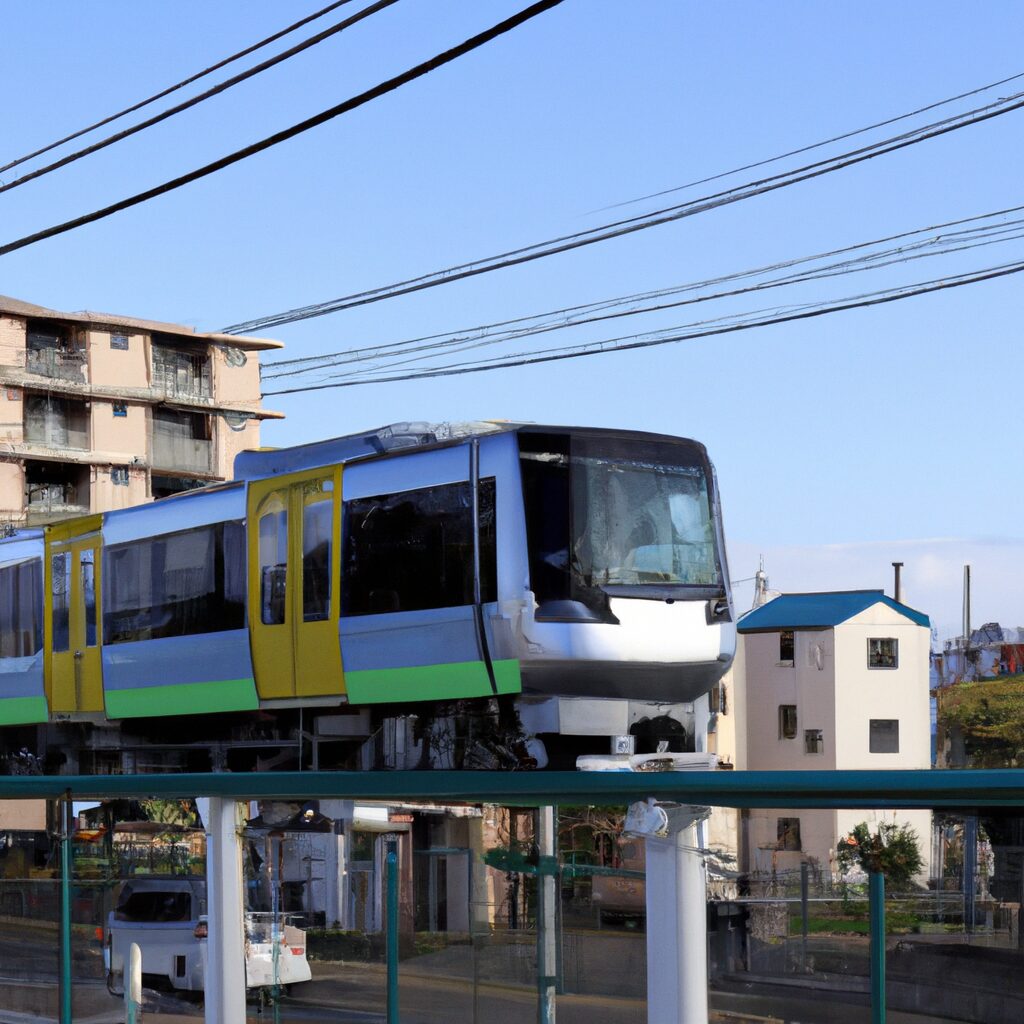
x: 193, y: 101
x: 933, y: 240
x: 616, y: 229
x: 700, y: 331
x: 816, y: 145
x: 177, y: 85
x: 373, y: 93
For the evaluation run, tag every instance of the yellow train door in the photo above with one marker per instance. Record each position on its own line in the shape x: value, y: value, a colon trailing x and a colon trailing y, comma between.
x: 73, y: 620
x: 294, y: 571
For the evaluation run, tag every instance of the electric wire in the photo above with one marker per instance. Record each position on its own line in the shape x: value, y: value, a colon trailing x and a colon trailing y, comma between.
x: 324, y: 116
x: 616, y: 229
x: 821, y: 274
x: 942, y: 242
x: 630, y: 342
x: 814, y: 145
x: 178, y: 85
x: 193, y: 101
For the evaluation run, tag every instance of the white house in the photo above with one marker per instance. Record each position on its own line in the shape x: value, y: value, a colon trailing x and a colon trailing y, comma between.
x: 835, y: 680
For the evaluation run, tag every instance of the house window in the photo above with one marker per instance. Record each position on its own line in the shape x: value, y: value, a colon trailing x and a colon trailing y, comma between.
x: 813, y: 743
x: 787, y: 721
x: 120, y: 408
x: 883, y: 652
x: 119, y: 342
x: 884, y: 736
x: 119, y: 476
x: 788, y: 833
x: 786, y: 646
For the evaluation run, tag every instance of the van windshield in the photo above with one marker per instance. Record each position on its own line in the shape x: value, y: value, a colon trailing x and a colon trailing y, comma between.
x: 154, y: 906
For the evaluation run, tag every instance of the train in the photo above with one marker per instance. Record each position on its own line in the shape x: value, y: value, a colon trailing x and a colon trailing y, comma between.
x: 415, y: 595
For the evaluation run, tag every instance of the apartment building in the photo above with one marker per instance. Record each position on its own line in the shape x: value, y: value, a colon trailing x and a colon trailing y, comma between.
x: 99, y: 412
x: 836, y: 680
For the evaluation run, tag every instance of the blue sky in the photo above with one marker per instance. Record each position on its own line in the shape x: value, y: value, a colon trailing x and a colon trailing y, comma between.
x: 841, y: 443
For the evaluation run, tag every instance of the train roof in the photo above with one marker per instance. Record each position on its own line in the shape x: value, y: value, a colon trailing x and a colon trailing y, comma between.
x: 395, y: 437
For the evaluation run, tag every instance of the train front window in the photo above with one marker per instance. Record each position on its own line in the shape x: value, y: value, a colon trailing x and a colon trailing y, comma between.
x: 615, y: 516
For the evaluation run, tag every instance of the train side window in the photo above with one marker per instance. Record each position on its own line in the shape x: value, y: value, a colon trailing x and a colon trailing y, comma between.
x: 180, y: 584
x: 60, y: 567
x: 317, y: 520
x: 87, y: 567
x: 273, y: 566
x: 21, y: 609
x: 414, y: 550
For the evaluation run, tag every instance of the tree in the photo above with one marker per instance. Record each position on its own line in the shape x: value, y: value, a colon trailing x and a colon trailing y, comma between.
x: 892, y: 850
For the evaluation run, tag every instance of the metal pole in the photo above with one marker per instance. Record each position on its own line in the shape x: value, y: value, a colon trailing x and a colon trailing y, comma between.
x: 133, y: 985
x: 391, y: 873
x: 876, y: 901
x: 970, y: 870
x: 224, y: 978
x: 804, y: 922
x: 68, y: 831
x: 546, y: 935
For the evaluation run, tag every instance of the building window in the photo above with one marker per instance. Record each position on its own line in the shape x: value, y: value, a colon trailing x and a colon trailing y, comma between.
x: 787, y: 721
x: 120, y: 408
x: 884, y: 736
x: 119, y: 342
x: 813, y: 742
x: 414, y: 550
x: 182, y: 370
x: 119, y: 476
x: 788, y: 833
x: 883, y: 652
x: 787, y: 643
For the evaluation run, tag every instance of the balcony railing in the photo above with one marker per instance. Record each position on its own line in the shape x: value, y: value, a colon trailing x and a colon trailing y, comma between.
x: 57, y: 363
x: 182, y: 454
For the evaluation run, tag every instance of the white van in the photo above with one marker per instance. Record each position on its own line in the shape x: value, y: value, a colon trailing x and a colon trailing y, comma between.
x: 163, y: 917
x: 167, y: 919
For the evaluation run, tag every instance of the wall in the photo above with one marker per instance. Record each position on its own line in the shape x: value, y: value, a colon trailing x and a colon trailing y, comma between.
x: 124, y: 435
x: 114, y: 367
x: 228, y: 443
x: 12, y: 490
x: 12, y: 415
x: 770, y: 682
x: 12, y: 341
x: 866, y: 693
x: 106, y: 495
x: 23, y: 815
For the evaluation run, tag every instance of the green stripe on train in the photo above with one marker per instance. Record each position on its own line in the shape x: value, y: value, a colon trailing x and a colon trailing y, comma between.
x: 452, y: 681
x: 23, y: 710
x: 183, y: 699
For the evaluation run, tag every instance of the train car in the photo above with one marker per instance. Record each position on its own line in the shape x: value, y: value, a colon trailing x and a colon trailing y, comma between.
x: 566, y: 581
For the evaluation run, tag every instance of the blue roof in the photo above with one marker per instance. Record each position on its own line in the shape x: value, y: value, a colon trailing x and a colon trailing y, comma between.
x: 819, y: 611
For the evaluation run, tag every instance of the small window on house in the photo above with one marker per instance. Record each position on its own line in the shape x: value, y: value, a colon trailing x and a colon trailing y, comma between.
x: 788, y: 833
x: 120, y: 408
x: 884, y: 736
x: 813, y: 743
x: 786, y: 645
x: 119, y: 476
x: 883, y: 652
x: 119, y: 342
x: 787, y: 721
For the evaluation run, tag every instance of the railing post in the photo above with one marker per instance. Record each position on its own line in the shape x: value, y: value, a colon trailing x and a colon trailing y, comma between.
x: 547, y: 967
x: 67, y: 837
x: 391, y: 872
x: 876, y: 902
x: 133, y: 985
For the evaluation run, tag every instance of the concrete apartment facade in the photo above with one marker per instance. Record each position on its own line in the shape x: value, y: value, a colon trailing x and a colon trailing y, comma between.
x: 834, y: 680
x: 99, y: 412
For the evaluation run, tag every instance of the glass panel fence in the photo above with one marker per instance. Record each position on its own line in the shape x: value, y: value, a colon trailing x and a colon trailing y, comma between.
x: 490, y: 925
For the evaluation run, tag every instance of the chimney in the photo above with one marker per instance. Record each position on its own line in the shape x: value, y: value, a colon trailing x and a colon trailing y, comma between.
x: 897, y: 589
